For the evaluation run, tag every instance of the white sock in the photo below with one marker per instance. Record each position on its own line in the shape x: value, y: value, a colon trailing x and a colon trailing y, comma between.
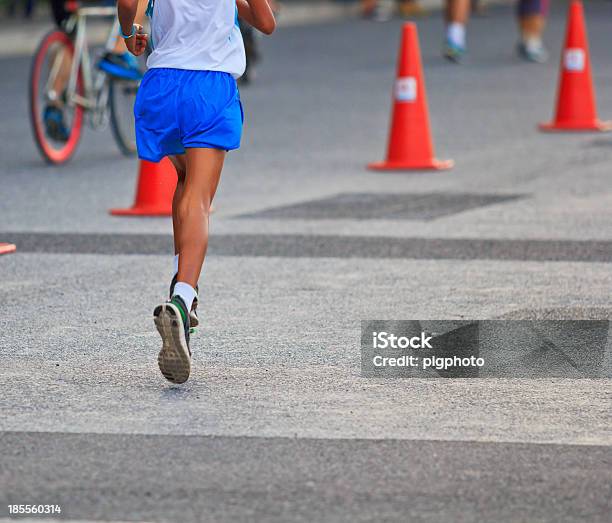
x: 455, y: 32
x: 175, y: 265
x: 532, y: 42
x: 186, y: 292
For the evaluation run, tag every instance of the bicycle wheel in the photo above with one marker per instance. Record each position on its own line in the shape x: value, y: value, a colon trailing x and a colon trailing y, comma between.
x: 121, y: 99
x: 52, y: 61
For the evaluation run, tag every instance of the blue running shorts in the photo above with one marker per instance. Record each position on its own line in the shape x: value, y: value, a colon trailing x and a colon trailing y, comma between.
x: 177, y: 109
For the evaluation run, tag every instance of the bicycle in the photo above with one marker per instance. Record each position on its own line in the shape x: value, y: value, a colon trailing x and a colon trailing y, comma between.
x: 86, y: 92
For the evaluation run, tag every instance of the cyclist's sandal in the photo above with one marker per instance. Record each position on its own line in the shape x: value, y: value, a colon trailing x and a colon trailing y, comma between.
x: 55, y: 126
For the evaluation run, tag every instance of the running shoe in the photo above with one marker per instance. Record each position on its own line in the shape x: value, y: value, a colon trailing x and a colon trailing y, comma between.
x: 193, y: 314
x: 55, y: 126
x: 172, y: 322
x: 534, y: 52
x: 453, y: 52
x: 124, y: 66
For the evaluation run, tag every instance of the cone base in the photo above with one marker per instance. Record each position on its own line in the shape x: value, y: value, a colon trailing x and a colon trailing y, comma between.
x: 569, y: 127
x: 142, y: 211
x: 5, y: 248
x: 431, y: 165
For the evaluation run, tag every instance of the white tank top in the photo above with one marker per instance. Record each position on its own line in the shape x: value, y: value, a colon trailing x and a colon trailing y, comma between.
x: 197, y: 35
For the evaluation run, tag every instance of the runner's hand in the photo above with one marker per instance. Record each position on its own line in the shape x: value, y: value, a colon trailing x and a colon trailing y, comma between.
x: 137, y: 43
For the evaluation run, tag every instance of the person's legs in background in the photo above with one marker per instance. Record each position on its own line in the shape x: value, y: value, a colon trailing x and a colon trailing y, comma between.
x: 381, y: 11
x: 251, y: 49
x: 378, y: 10
x: 368, y: 7
x: 410, y: 8
x: 457, y: 15
x: 532, y: 20
x: 479, y: 7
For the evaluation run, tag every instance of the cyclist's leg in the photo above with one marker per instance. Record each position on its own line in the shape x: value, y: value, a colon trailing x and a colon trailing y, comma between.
x: 62, y: 76
x: 62, y: 63
x: 60, y: 15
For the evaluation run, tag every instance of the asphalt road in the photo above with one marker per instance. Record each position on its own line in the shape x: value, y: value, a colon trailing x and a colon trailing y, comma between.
x: 281, y: 479
x: 277, y: 423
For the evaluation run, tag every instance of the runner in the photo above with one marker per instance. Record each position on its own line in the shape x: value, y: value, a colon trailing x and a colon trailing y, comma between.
x: 531, y: 17
x: 188, y: 108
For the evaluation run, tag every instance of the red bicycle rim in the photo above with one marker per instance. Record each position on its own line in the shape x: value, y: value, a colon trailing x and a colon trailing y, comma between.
x: 52, y: 154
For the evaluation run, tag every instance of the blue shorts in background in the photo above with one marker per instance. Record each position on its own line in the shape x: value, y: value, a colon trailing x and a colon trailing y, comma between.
x: 177, y: 109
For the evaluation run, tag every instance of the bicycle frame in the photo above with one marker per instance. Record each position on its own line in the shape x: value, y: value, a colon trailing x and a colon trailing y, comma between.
x: 93, y: 83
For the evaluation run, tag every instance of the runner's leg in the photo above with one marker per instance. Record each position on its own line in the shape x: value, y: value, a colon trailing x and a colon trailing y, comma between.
x: 179, y: 163
x: 203, y: 170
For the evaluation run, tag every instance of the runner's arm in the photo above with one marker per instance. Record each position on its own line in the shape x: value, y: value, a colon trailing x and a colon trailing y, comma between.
x: 257, y: 13
x: 127, y: 10
x: 127, y: 13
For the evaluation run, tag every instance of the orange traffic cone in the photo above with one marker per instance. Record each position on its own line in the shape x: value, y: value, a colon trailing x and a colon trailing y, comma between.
x: 410, y: 145
x: 576, y: 96
x: 5, y: 248
x: 156, y: 184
